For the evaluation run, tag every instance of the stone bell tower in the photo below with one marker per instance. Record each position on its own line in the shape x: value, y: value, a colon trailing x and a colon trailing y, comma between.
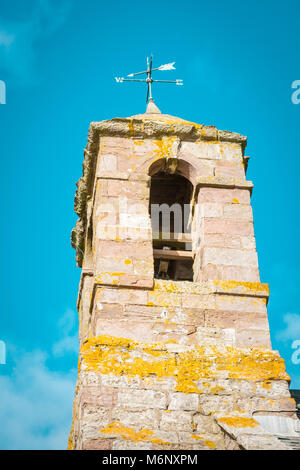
x: 175, y: 348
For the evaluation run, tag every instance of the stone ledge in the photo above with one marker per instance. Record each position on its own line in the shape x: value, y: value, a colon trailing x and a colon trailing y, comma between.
x: 249, y: 289
x: 222, y: 182
x: 110, y: 175
x: 236, y: 288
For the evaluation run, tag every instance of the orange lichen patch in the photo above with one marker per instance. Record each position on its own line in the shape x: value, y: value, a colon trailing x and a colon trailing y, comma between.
x: 116, y: 428
x: 267, y: 385
x: 239, y: 421
x: 163, y: 299
x: 138, y: 141
x: 246, y: 286
x: 206, y: 384
x: 106, y: 277
x: 171, y: 340
x: 108, y: 354
x: 164, y: 147
x: 215, y: 390
x: 185, y: 287
x: 259, y: 365
x: 210, y: 444
x: 131, y: 126
x: 235, y: 201
x: 127, y: 261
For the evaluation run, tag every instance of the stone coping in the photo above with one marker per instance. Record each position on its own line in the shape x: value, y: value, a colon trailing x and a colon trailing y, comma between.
x: 153, y: 126
x: 238, y: 288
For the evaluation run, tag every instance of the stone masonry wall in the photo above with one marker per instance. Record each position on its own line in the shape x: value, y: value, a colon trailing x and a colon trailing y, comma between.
x: 165, y: 364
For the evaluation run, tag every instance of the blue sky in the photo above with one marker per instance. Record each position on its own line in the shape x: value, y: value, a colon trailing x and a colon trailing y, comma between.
x: 58, y: 59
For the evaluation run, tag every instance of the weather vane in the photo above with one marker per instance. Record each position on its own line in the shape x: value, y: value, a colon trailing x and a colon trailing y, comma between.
x: 149, y: 80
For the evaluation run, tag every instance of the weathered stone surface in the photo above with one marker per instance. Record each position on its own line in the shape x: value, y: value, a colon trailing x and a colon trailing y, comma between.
x: 170, y: 364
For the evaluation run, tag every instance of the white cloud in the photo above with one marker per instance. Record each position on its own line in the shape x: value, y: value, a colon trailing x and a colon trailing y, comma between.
x: 69, y: 342
x: 18, y: 39
x: 292, y: 329
x: 35, y: 405
x: 36, y: 401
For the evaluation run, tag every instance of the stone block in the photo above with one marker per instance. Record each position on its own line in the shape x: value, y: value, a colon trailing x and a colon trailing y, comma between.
x: 224, y: 195
x: 98, y: 396
x: 123, y: 444
x: 238, y: 212
x: 240, y: 303
x: 205, y: 424
x: 142, y: 399
x: 200, y: 150
x: 139, y: 419
x: 211, y: 209
x: 210, y: 404
x: 225, y: 226
x: 229, y: 257
x: 176, y: 421
x: 230, y: 170
x: 97, y: 444
x: 207, y: 336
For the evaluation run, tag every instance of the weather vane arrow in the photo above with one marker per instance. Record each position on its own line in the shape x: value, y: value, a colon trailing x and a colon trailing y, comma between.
x: 151, y: 108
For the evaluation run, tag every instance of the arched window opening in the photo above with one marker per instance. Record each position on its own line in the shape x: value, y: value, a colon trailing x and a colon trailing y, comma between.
x: 170, y: 199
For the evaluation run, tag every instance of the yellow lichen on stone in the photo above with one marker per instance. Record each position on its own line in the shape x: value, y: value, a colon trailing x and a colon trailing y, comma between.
x: 108, y: 278
x: 215, y: 390
x: 239, y: 421
x: 267, y: 385
x: 116, y: 428
x: 209, y: 444
x: 71, y: 443
x: 181, y: 287
x: 165, y: 147
x: 131, y: 126
x: 108, y: 354
x: 251, y: 286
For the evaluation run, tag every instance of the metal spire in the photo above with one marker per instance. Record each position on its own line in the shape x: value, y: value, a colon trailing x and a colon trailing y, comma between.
x: 151, y: 107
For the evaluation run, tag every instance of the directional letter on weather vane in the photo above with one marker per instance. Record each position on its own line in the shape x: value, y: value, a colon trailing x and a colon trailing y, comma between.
x: 149, y: 80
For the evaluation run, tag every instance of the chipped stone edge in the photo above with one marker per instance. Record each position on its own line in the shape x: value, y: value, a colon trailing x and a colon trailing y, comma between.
x: 247, y: 438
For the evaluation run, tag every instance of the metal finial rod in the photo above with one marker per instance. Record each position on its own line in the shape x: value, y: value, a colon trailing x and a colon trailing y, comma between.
x: 149, y: 80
